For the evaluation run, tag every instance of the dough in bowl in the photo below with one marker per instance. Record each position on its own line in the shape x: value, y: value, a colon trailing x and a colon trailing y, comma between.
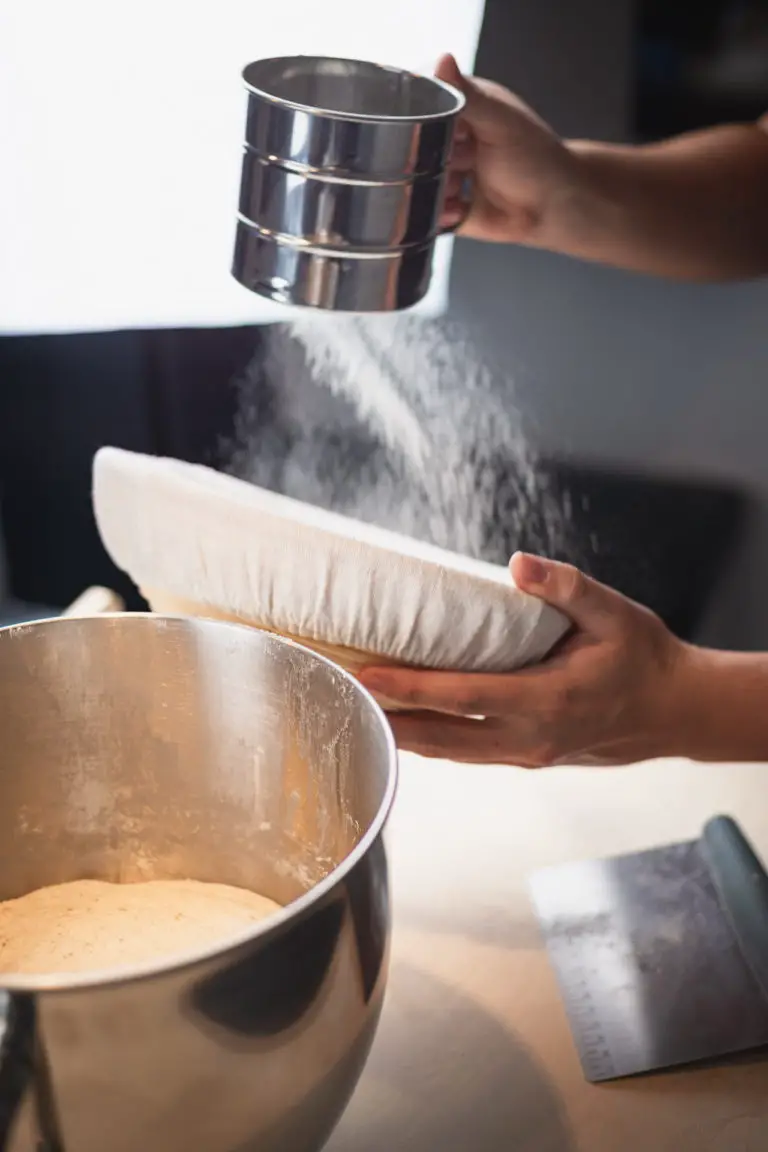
x: 94, y: 926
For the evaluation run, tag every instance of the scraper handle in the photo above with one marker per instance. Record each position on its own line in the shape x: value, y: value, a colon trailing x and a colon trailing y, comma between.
x: 742, y: 886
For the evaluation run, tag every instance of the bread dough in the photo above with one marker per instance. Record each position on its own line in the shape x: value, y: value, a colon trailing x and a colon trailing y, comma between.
x: 92, y: 925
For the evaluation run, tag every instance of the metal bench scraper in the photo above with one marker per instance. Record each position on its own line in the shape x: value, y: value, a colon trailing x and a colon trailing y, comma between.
x: 661, y: 957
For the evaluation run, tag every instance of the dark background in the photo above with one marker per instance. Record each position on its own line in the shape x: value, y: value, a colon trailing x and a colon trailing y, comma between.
x: 698, y: 63
x: 173, y: 392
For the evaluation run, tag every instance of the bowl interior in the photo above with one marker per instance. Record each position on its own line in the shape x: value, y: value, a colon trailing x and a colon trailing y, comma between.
x: 141, y: 747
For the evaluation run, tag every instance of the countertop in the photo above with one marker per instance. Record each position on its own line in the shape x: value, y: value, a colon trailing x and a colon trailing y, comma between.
x: 473, y: 1052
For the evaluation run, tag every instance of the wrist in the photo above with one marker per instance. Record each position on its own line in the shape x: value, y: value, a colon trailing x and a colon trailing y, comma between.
x: 718, y: 706
x: 586, y: 206
x: 686, y: 729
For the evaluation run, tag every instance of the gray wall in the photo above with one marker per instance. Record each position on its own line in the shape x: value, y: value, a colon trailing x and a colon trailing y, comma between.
x: 611, y: 367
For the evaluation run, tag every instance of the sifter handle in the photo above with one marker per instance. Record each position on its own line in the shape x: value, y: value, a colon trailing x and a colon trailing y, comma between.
x: 467, y: 205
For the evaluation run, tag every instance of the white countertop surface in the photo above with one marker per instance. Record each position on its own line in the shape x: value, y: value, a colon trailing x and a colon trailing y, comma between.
x: 473, y: 1052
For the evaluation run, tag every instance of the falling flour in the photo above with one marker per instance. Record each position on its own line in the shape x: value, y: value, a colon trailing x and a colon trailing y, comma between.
x: 91, y: 925
x: 396, y: 420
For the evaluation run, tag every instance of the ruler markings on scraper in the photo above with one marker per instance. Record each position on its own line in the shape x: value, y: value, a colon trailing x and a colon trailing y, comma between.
x: 586, y: 1023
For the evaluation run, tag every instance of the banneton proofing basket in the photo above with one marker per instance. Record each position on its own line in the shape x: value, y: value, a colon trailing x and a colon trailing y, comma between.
x: 146, y: 747
x: 342, y: 182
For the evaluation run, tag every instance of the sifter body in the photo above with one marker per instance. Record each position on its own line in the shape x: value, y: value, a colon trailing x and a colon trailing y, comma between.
x: 343, y: 172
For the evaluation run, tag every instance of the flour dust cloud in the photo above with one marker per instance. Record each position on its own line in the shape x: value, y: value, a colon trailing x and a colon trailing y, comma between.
x: 397, y: 420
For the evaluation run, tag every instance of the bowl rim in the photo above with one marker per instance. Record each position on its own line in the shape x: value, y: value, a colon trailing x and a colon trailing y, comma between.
x: 276, y: 921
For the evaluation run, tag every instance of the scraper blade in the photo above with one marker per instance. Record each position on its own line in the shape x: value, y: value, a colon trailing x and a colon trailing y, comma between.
x: 661, y: 956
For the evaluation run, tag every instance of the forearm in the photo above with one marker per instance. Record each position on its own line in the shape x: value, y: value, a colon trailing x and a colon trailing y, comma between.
x: 720, y: 710
x: 692, y: 208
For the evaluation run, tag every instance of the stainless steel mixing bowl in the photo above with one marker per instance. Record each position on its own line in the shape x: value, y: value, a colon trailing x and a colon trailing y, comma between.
x: 342, y: 182
x: 137, y: 747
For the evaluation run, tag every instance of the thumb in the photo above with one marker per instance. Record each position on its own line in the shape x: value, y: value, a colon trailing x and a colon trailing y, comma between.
x: 482, y: 113
x: 448, y: 71
x: 590, y: 605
